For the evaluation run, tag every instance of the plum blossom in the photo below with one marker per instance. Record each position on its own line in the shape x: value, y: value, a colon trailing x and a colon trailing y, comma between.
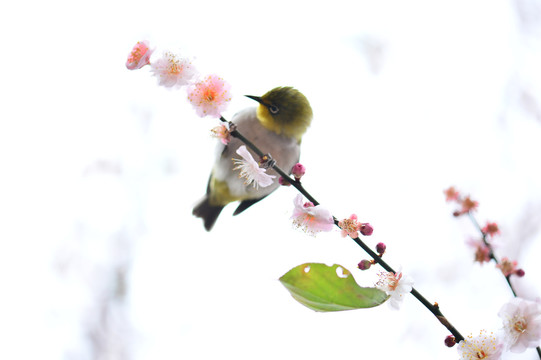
x: 491, y: 229
x: 250, y: 170
x: 396, y: 285
x: 451, y: 194
x: 210, y: 97
x: 468, y: 205
x: 172, y: 70
x: 482, y: 251
x: 485, y: 346
x: 507, y: 266
x: 222, y: 132
x: 310, y: 218
x: 139, y: 56
x: 350, y: 226
x: 522, y: 324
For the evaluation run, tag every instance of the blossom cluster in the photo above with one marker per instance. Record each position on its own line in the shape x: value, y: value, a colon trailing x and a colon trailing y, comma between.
x: 483, y: 246
x: 351, y: 226
x: 314, y: 218
x: 210, y: 95
x: 521, y: 330
x: 466, y: 203
x: 394, y: 284
x: 521, y: 318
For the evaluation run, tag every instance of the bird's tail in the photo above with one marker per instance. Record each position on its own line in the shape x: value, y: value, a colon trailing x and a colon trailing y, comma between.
x: 209, y: 213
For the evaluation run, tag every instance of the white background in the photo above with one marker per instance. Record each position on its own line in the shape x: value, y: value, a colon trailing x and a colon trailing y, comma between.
x: 100, y: 257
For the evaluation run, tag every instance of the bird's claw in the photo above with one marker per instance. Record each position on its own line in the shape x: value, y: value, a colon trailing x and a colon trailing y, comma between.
x: 267, y: 161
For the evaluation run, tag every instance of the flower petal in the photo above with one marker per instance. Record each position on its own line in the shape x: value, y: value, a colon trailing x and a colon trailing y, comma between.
x: 250, y: 170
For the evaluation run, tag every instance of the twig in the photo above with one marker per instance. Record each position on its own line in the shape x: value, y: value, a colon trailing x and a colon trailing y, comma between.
x: 433, y: 308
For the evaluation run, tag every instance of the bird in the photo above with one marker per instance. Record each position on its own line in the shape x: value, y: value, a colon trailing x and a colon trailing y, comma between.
x: 276, y: 126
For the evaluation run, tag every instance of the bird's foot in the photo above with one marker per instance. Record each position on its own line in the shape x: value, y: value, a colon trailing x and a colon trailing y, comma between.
x: 267, y: 161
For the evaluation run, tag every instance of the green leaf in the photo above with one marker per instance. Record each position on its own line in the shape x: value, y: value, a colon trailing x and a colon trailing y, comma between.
x: 329, y: 288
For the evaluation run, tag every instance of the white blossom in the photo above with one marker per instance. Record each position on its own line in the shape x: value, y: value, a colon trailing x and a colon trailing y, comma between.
x: 250, y: 170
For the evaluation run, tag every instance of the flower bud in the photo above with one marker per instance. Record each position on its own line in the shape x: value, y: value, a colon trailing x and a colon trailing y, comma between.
x: 283, y: 181
x: 366, y: 229
x: 364, y: 264
x: 298, y: 171
x: 520, y: 273
x: 450, y: 341
x: 380, y: 248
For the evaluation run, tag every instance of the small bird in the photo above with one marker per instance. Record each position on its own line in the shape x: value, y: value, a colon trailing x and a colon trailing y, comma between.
x: 276, y: 127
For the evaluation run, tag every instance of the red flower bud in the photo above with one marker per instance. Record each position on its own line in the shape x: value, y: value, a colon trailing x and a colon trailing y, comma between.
x: 450, y: 341
x: 364, y: 264
x: 380, y: 248
x: 283, y: 181
x: 298, y: 171
x: 520, y: 273
x: 366, y: 229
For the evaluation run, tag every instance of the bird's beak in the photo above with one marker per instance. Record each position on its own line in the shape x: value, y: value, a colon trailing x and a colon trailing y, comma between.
x: 256, y: 98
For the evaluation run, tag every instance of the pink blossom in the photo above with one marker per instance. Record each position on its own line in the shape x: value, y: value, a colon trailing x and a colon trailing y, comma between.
x: 310, y: 218
x: 210, y: 96
x: 491, y: 229
x: 507, y: 266
x: 485, y: 346
x: 172, y: 70
x: 482, y: 251
x: 139, y: 56
x: 522, y: 324
x: 222, y: 132
x: 350, y: 226
x: 468, y: 205
x: 451, y: 194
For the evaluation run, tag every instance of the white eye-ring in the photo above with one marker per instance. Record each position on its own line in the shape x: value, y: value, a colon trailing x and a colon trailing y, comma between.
x: 273, y: 109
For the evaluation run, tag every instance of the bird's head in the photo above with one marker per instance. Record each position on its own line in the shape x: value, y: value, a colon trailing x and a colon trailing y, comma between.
x: 284, y: 110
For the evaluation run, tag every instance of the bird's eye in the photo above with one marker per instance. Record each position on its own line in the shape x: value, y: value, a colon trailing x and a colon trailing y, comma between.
x: 273, y: 109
